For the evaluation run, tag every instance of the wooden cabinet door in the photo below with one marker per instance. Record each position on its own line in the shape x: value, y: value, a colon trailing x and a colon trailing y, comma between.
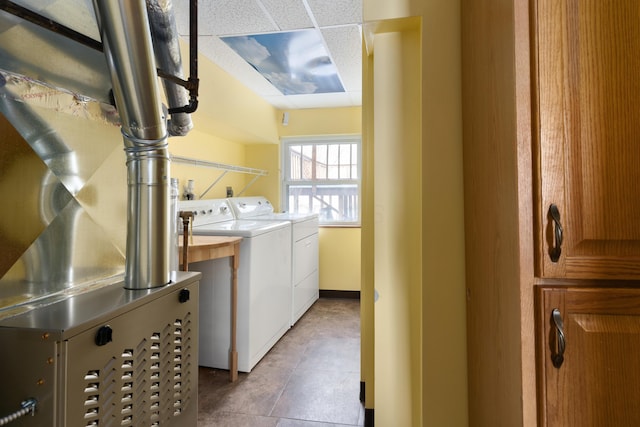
x: 598, y: 381
x: 588, y: 113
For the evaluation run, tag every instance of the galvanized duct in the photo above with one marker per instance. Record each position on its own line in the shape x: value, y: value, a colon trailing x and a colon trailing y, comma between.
x: 126, y: 37
x: 50, y: 258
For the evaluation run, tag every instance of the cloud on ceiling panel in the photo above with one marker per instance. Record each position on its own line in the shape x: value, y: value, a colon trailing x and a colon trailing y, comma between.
x: 296, y: 62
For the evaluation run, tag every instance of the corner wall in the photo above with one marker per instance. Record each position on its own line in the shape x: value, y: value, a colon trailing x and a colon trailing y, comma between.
x: 397, y: 224
x: 425, y: 306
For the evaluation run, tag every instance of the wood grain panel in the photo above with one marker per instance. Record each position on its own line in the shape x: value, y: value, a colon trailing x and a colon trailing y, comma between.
x: 498, y: 204
x: 599, y: 382
x: 588, y: 137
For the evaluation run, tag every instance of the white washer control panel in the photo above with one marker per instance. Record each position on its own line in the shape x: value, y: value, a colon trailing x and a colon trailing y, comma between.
x: 207, y: 211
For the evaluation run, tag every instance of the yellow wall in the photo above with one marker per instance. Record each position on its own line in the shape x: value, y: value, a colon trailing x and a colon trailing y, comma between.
x: 265, y: 157
x: 397, y: 226
x: 444, y: 289
x: 367, y: 255
x: 340, y: 258
x: 222, y: 132
x: 203, y: 146
x: 339, y: 246
x: 418, y: 327
x: 414, y: 345
x: 322, y: 121
x: 228, y: 109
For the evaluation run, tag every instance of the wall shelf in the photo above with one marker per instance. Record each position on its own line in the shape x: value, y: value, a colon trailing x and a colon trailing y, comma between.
x: 223, y: 167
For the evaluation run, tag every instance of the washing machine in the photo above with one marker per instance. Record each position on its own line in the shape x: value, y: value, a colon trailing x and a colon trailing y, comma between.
x: 304, y: 248
x: 264, y: 285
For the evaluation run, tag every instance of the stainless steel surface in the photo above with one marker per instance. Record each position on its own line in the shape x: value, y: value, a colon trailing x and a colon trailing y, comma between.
x: 29, y: 372
x: 148, y: 234
x: 40, y: 54
x: 72, y: 315
x: 62, y: 177
x: 62, y: 185
x: 146, y: 373
x: 174, y: 226
x: 63, y: 236
x: 58, y: 185
x: 126, y: 38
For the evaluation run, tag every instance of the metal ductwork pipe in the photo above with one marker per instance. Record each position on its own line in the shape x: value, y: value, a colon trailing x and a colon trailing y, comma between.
x: 128, y: 48
x: 164, y: 33
x: 49, y: 260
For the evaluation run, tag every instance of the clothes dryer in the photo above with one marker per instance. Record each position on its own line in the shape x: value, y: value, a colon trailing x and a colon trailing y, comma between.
x: 304, y: 248
x: 264, y: 285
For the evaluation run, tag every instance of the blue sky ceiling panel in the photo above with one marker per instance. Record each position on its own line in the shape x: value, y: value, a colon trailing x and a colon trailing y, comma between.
x: 296, y: 62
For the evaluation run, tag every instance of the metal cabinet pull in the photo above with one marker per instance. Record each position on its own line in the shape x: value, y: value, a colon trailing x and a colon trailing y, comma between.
x: 556, y: 249
x: 557, y: 357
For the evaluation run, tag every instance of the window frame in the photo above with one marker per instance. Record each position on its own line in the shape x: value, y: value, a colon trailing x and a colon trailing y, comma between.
x: 286, y: 182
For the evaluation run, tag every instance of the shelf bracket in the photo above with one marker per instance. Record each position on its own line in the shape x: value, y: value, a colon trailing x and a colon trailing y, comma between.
x: 221, y: 166
x: 213, y: 184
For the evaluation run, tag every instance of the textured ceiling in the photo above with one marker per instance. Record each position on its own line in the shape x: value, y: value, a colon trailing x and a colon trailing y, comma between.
x: 337, y: 21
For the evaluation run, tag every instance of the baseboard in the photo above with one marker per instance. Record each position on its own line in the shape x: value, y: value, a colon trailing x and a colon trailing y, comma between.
x: 368, y: 417
x: 327, y: 293
x: 368, y: 413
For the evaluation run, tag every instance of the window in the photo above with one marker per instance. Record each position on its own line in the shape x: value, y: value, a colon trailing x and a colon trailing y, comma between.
x: 322, y: 175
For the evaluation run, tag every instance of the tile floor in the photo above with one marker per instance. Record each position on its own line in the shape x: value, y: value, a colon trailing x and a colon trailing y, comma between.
x: 310, y: 378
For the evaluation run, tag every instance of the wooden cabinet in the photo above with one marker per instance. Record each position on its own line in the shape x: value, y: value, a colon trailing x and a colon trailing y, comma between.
x: 588, y: 147
x: 588, y: 86
x: 551, y: 116
x: 589, y: 360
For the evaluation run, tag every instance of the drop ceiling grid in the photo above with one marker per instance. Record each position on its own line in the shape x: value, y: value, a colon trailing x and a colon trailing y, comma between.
x: 232, y: 17
x: 335, y: 19
x: 338, y: 21
x: 344, y: 45
x: 336, y: 12
x: 288, y: 14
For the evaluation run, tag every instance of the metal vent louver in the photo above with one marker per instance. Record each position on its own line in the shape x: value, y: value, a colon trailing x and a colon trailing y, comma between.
x: 146, y: 384
x: 106, y: 357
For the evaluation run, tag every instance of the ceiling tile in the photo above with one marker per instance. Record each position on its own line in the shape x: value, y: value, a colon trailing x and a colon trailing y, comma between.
x: 231, y: 17
x: 181, y: 13
x: 288, y: 14
x: 336, y: 12
x: 345, y: 47
x: 219, y: 18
